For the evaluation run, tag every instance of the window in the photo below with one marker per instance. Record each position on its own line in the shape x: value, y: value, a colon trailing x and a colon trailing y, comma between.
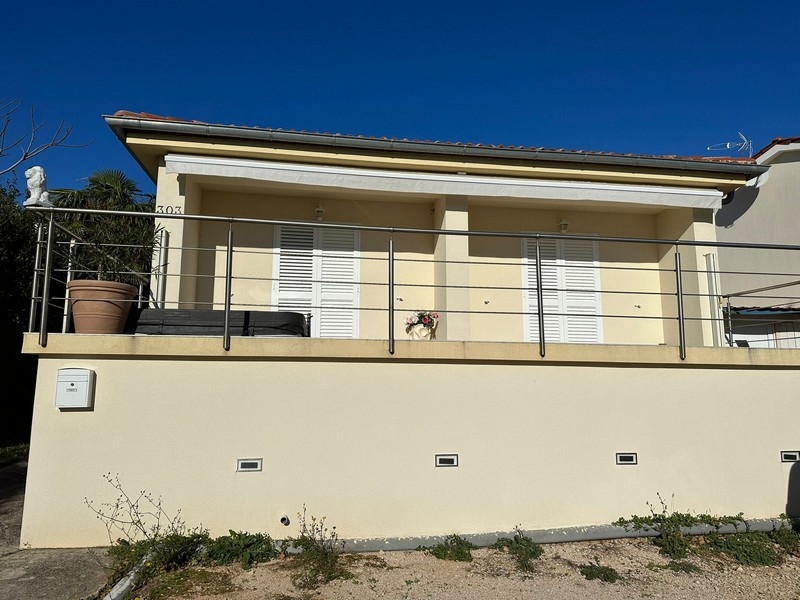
x: 570, y: 291
x: 317, y: 272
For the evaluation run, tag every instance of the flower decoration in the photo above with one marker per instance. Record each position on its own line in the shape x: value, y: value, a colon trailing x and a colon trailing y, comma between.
x: 426, y: 318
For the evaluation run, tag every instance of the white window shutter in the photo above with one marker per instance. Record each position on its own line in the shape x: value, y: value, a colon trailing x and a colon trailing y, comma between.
x: 570, y: 285
x: 317, y: 273
x: 293, y: 287
x: 548, y: 253
x: 581, y: 282
x: 338, y: 283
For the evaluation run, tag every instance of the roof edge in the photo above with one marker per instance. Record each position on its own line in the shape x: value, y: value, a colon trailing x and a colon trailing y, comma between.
x: 123, y: 122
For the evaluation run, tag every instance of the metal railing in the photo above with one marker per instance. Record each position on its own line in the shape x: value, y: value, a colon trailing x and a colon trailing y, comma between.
x: 668, y: 282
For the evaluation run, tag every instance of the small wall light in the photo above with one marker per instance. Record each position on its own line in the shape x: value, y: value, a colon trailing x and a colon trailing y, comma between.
x: 563, y: 224
x: 319, y: 212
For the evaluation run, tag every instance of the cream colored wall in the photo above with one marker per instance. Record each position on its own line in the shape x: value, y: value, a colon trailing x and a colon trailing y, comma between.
x: 355, y: 441
x: 497, y: 263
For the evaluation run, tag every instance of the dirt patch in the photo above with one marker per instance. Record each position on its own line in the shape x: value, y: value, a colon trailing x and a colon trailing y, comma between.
x: 494, y: 574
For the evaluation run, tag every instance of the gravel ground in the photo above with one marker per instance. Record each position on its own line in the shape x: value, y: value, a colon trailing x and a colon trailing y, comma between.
x: 493, y: 574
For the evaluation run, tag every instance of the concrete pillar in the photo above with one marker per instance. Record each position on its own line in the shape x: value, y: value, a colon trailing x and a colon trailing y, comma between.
x: 175, y: 196
x: 451, y: 271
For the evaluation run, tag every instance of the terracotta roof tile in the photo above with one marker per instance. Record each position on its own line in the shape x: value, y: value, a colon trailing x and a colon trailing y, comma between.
x: 778, y: 141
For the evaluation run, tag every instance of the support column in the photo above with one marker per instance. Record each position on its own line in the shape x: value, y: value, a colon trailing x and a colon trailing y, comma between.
x: 451, y: 272
x: 175, y: 196
x: 695, y: 225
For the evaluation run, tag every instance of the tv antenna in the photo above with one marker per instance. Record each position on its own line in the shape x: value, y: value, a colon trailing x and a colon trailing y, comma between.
x: 744, y: 145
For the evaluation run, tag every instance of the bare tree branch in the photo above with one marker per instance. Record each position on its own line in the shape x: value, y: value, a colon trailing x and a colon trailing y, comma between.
x: 28, y: 144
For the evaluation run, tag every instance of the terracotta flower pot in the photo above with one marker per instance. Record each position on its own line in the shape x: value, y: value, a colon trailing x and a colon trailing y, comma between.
x: 100, y: 306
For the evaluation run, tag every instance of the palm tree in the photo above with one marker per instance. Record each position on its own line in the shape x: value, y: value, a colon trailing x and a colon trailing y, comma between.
x: 116, y: 247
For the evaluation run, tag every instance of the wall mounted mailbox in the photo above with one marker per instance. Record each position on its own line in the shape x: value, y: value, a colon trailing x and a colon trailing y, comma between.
x: 75, y: 388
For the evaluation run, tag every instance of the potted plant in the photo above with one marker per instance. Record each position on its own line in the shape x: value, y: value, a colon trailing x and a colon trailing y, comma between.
x: 421, y: 324
x: 113, y: 254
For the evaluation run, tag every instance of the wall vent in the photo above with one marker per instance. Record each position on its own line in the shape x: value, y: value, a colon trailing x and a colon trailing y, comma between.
x: 790, y: 455
x: 627, y: 458
x: 249, y: 464
x: 447, y: 460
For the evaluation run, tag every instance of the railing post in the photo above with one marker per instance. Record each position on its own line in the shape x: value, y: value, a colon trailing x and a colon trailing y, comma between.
x: 681, y: 322
x: 731, y: 341
x: 226, y: 341
x: 540, y: 299
x: 391, y: 293
x: 67, y: 310
x: 163, y: 257
x: 48, y: 265
x: 37, y: 265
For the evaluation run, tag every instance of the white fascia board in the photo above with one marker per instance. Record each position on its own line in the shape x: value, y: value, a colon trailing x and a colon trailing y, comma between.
x: 775, y: 151
x: 409, y: 182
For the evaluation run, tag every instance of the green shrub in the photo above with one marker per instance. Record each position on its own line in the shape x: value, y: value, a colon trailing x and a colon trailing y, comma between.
x: 787, y: 539
x: 677, y: 566
x: 242, y: 547
x: 671, y: 540
x: 751, y: 548
x: 454, y: 547
x: 522, y: 548
x: 596, y: 571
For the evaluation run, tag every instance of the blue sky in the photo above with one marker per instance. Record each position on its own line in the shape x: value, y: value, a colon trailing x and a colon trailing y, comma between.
x: 621, y: 76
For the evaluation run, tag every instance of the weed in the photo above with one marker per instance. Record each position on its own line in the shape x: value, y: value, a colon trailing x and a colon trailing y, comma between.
x: 135, y: 517
x: 671, y: 539
x: 596, y: 571
x: 786, y: 538
x: 320, y: 550
x: 159, y: 543
x: 677, y: 566
x: 454, y: 547
x: 750, y: 548
x: 13, y: 454
x: 189, y: 581
x: 242, y: 547
x: 522, y: 548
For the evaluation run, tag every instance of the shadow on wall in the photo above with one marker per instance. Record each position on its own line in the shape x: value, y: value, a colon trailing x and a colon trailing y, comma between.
x: 734, y: 205
x: 793, y: 494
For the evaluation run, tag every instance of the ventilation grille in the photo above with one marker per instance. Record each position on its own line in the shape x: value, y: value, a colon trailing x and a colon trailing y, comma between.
x: 447, y: 460
x: 627, y: 458
x: 790, y: 455
x: 249, y: 464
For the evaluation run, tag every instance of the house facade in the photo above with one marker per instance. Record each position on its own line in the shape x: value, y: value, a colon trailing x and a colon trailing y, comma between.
x: 763, y: 288
x: 579, y: 332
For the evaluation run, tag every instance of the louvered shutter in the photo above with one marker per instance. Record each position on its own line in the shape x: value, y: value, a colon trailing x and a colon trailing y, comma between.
x: 294, y: 286
x: 570, y: 284
x: 338, y: 279
x: 317, y: 273
x: 581, y: 280
x: 548, y: 253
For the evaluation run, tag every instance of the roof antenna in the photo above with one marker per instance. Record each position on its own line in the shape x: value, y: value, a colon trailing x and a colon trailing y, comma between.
x: 744, y: 145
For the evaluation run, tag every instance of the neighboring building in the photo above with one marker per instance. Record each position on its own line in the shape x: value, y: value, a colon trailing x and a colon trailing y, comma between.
x: 352, y: 422
x: 764, y: 287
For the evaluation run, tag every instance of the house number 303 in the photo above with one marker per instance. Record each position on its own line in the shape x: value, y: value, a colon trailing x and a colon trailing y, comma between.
x: 169, y: 210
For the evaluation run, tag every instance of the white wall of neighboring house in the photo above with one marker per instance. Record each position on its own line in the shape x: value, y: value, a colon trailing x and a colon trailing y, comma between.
x: 764, y: 213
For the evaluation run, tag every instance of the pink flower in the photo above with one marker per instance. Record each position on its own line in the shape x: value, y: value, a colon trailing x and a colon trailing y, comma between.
x: 424, y: 320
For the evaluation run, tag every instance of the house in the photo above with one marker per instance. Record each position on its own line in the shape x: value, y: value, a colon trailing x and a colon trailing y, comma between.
x: 763, y: 288
x: 579, y: 365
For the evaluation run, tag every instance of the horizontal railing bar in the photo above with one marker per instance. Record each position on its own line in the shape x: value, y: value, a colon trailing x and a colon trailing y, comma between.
x: 410, y: 230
